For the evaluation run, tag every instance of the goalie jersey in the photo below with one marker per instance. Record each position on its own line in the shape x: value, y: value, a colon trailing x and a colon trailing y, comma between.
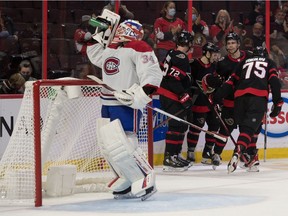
x: 125, y: 64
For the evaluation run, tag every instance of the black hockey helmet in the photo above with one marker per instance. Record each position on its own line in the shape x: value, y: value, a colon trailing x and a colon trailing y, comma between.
x: 211, y: 47
x: 232, y: 36
x: 184, y: 39
x: 260, y: 51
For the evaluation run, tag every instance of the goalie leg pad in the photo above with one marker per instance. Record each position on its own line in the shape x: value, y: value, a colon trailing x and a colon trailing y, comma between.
x: 119, y: 183
x: 139, y: 188
x: 129, y: 163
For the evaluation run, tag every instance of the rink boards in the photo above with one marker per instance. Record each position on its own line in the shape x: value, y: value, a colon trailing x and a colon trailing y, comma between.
x: 276, y: 143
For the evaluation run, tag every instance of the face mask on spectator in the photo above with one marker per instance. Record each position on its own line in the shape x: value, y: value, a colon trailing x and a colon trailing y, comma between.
x: 25, y: 76
x: 280, y: 22
x: 172, y: 12
x: 194, y: 17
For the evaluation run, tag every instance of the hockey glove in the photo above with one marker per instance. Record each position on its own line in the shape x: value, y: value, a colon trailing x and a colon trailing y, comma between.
x: 276, y: 109
x: 210, y: 82
x: 185, y: 100
x: 133, y: 97
x: 215, y: 98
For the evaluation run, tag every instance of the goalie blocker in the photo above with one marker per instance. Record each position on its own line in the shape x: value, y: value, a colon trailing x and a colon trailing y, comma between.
x: 135, y: 178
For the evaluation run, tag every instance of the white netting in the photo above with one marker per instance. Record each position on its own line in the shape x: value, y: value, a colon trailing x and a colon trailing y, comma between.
x: 68, y: 136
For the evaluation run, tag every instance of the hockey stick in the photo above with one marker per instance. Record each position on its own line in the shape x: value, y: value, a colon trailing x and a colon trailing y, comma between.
x: 217, y: 136
x: 224, y: 125
x: 211, y: 106
x: 168, y: 119
x: 265, y: 136
x: 194, y: 97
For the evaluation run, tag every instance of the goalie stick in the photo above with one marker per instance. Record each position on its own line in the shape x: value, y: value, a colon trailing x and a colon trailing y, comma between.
x: 215, y: 135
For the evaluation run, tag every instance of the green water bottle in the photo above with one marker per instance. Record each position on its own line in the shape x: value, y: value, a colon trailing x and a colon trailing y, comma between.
x: 100, y: 23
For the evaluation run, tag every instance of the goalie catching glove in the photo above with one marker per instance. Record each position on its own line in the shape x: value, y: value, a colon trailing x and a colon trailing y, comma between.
x: 134, y: 97
x: 276, y: 109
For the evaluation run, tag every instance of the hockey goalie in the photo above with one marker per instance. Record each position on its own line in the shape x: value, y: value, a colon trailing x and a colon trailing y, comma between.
x: 129, y: 66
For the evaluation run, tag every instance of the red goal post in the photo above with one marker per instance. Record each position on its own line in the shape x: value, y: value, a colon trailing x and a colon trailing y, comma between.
x: 55, y: 127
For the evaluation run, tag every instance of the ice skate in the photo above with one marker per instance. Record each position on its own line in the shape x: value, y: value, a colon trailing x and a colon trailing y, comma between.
x: 244, y: 160
x: 184, y: 161
x: 191, y: 157
x: 172, y: 164
x: 216, y: 160
x: 232, y: 165
x: 206, y: 158
x: 253, y: 165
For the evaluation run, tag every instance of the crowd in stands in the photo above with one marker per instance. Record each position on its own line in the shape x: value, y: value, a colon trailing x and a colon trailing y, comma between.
x: 69, y: 31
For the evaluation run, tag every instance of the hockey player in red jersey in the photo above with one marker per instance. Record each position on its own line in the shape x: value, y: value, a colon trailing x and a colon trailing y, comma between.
x: 200, y: 69
x: 130, y: 66
x: 174, y: 96
x: 250, y: 83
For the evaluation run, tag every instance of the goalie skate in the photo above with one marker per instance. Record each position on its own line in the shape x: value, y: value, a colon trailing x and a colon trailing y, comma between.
x: 128, y: 195
x: 149, y: 193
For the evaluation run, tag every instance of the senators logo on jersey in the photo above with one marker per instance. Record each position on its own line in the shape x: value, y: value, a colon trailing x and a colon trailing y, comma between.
x: 111, y: 66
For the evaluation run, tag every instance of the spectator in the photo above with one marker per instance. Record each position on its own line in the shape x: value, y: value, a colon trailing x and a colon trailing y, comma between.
x: 166, y: 28
x: 285, y: 9
x: 279, y: 28
x: 88, y: 68
x: 257, y: 35
x: 26, y: 70
x: 6, y: 26
x: 239, y: 29
x: 256, y: 15
x: 33, y: 31
x: 198, y: 25
x: 3, y: 31
x: 13, y: 84
x: 82, y: 35
x: 223, y: 25
x: 123, y: 10
x: 200, y: 31
x: 258, y: 39
x: 148, y: 35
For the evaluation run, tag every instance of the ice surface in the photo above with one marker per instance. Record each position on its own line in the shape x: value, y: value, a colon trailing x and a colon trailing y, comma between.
x: 199, y: 191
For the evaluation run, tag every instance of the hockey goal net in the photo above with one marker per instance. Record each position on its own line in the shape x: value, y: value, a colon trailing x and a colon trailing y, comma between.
x: 56, y: 126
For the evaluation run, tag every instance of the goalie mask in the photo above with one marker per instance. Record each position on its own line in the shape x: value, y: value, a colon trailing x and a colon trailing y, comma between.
x: 129, y: 30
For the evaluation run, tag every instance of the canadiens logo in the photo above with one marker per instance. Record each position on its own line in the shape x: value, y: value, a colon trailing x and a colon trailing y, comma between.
x: 111, y: 66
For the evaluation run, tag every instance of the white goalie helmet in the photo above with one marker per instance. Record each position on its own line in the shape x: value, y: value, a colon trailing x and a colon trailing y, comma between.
x: 129, y: 30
